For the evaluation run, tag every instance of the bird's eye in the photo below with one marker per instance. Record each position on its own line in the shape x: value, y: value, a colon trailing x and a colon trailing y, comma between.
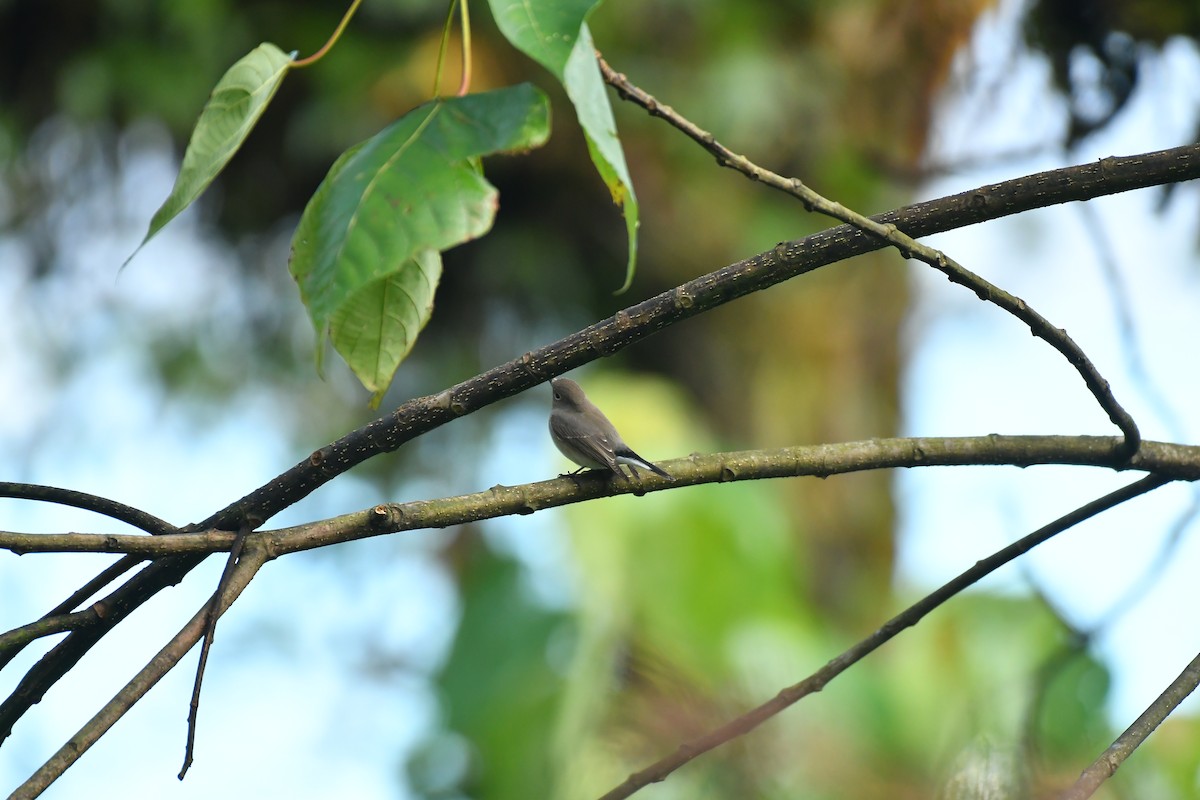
x: 557, y: 396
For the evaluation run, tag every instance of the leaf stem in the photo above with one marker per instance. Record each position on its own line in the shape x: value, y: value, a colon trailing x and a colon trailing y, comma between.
x: 441, y: 59
x: 337, y: 34
x: 465, y: 84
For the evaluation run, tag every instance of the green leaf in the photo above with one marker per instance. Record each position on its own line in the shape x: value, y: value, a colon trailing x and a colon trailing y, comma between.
x: 377, y: 326
x: 237, y: 101
x: 555, y: 34
x: 365, y: 252
x: 544, y: 30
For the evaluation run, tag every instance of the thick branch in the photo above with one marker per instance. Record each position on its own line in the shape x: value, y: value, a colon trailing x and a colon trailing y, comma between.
x: 140, y: 547
x: 1169, y: 460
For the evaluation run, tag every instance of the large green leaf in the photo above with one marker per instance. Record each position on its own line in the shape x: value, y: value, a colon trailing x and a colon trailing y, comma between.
x: 555, y: 34
x: 237, y: 101
x: 365, y: 254
x: 377, y: 325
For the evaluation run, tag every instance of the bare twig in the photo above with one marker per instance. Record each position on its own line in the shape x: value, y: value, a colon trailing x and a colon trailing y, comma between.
x: 107, y: 576
x: 418, y: 416
x: 1122, y: 305
x: 141, y: 683
x: 88, y: 502
x: 1103, y: 767
x: 906, y: 244
x: 659, y: 770
x: 64, y: 655
x: 60, y: 618
x: 13, y: 641
x: 1152, y: 574
x: 210, y: 632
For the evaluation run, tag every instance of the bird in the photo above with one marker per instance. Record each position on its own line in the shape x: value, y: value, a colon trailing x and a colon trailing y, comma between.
x: 583, y: 434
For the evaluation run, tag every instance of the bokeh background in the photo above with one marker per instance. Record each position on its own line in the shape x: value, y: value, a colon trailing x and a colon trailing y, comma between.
x: 549, y: 656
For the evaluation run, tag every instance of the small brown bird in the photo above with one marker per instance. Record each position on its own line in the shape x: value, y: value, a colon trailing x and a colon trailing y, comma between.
x: 583, y: 434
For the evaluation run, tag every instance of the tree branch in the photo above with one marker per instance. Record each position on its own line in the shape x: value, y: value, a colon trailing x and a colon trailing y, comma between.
x: 659, y: 770
x: 905, y: 244
x: 60, y: 618
x: 210, y: 633
x: 1181, y: 462
x: 138, y: 548
x: 110, y: 611
x: 14, y: 641
x: 1103, y: 767
x: 107, y: 576
x: 170, y: 655
x: 89, y: 502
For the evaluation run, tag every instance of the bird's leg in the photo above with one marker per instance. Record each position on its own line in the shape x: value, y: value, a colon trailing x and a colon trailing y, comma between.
x: 571, y: 474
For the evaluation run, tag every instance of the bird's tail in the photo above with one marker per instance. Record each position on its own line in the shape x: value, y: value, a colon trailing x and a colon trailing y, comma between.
x: 633, y: 460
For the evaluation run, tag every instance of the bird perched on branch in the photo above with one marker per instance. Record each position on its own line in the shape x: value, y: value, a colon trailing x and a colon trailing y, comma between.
x: 583, y: 434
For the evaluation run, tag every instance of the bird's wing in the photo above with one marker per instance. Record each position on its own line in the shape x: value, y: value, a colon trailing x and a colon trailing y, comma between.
x: 593, y: 448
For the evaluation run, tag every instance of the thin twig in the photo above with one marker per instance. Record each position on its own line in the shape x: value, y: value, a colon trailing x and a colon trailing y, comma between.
x: 659, y: 770
x: 14, y: 641
x: 787, y: 260
x: 88, y: 502
x: 210, y: 632
x: 906, y: 244
x: 63, y: 656
x: 107, y: 576
x: 141, y: 683
x: 60, y: 618
x: 1107, y: 763
x: 1152, y: 575
x: 1126, y: 330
